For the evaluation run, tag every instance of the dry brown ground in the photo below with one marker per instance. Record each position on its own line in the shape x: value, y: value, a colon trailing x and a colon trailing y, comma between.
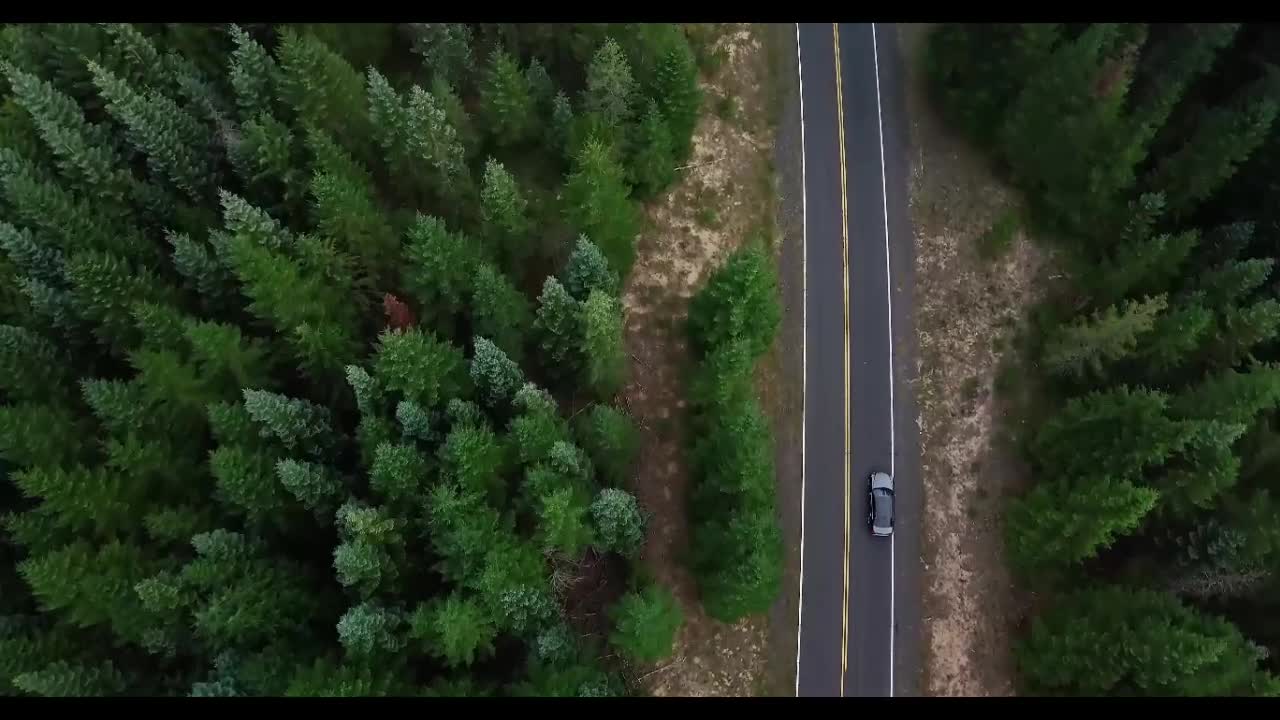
x: 674, y: 256
x: 967, y: 311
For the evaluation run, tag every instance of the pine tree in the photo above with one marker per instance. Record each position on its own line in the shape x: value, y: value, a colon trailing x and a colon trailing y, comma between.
x: 1223, y: 139
x: 324, y: 90
x: 267, y: 159
x: 107, y: 289
x: 36, y: 434
x: 173, y: 140
x: 537, y: 427
x: 1061, y: 523
x: 647, y: 623
x: 588, y: 270
x: 495, y: 376
x: 1081, y: 439
x: 499, y: 311
x: 445, y: 49
x: 610, y: 85
x: 619, y: 525
x: 597, y: 205
x: 83, y: 151
x: 458, y: 117
x: 421, y: 368
x: 679, y: 97
x: 563, y: 521
x: 347, y: 213
x: 558, y: 327
x: 369, y: 628
x: 367, y: 559
x: 31, y: 368
x: 66, y: 679
x: 316, y: 486
x: 92, y: 586
x: 440, y: 271
x: 253, y: 74
x: 246, y: 483
x: 294, y: 423
x: 505, y: 216
x: 609, y: 437
x: 1170, y: 649
x: 560, y: 126
x: 602, y: 344
x: 739, y: 302
x: 507, y: 101
x: 419, y: 144
x: 652, y: 165
x: 473, y: 457
x: 457, y: 629
x: 1087, y: 344
x: 399, y: 473
x: 242, y: 597
x: 1066, y: 135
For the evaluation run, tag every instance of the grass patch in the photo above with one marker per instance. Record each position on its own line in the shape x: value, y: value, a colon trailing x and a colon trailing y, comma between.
x: 997, y: 240
x: 702, y: 38
x: 726, y: 108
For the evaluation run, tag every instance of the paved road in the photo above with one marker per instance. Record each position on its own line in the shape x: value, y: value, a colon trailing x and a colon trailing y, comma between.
x: 852, y: 620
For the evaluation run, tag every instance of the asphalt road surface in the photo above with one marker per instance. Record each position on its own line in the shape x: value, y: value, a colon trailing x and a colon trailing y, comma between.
x: 852, y: 620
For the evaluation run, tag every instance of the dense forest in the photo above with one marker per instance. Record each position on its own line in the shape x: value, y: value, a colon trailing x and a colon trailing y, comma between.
x: 310, y: 348
x: 1147, y: 156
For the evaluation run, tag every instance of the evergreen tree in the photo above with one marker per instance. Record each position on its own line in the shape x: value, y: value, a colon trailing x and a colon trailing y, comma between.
x: 676, y: 90
x: 1223, y: 139
x: 420, y: 367
x: 315, y: 486
x: 1106, y: 336
x: 369, y: 628
x: 499, y: 311
x: 602, y: 343
x: 588, y: 270
x: 66, y: 679
x: 618, y: 523
x: 1066, y: 135
x: 1168, y: 649
x: 445, y: 49
x: 652, y: 166
x: 441, y: 269
x: 457, y: 629
x: 648, y: 621
x: 323, y: 90
x: 609, y: 438
x: 558, y: 327
x: 597, y: 205
x: 366, y: 559
x: 1060, y: 523
x: 507, y: 101
x: 495, y: 376
x: 252, y: 73
x: 504, y: 212
x: 173, y: 140
x: 739, y: 302
x: 610, y: 85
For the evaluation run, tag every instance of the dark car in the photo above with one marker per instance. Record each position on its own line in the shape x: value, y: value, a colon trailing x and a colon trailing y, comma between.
x: 880, y: 504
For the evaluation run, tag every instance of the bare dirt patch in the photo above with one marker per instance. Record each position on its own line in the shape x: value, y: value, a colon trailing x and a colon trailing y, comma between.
x: 968, y: 310
x: 714, y: 207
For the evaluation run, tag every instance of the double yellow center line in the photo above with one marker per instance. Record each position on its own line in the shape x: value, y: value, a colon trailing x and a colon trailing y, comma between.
x: 844, y: 265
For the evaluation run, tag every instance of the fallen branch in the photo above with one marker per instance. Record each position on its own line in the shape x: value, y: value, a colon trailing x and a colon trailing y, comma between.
x: 671, y: 664
x: 690, y: 166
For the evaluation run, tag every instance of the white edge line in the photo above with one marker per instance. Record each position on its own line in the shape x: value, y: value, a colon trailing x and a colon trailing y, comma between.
x: 804, y: 347
x: 893, y: 610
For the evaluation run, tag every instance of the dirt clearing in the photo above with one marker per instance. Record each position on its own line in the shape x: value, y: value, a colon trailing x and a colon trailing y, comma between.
x: 712, y: 210
x: 968, y: 311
